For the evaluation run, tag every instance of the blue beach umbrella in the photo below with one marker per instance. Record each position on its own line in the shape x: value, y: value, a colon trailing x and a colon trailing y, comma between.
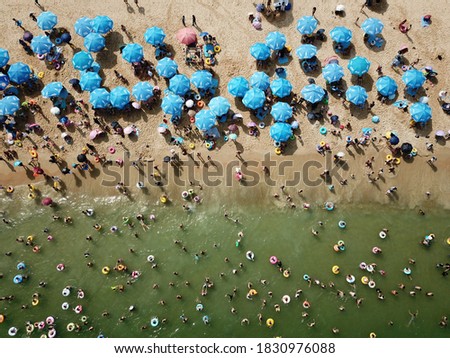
x: 306, y: 25
x: 19, y: 73
x: 254, y: 98
x: 260, y: 51
x: 41, y: 45
x: 280, y: 132
x: 202, y: 79
x: 413, y: 78
x: 260, y: 80
x: 205, y: 119
x: 358, y: 65
x: 386, y: 86
x: 167, y: 67
x: 420, y: 112
x: 275, y: 40
x: 281, y: 112
x: 83, y: 26
x: 4, y: 57
x: 313, y: 93
x: 133, y: 53
x: 341, y: 34
x: 172, y: 104
x: 53, y: 89
x: 142, y: 91
x: 90, y: 81
x: 372, y: 26
x: 47, y: 20
x: 102, y: 24
x: 82, y: 60
x: 356, y: 95
x: 332, y: 72
x: 305, y: 52
x: 238, y: 86
x: 99, y: 98
x: 119, y: 97
x: 281, y: 87
x: 9, y: 105
x: 179, y: 84
x: 4, y: 81
x: 94, y: 42
x: 154, y: 36
x: 219, y: 106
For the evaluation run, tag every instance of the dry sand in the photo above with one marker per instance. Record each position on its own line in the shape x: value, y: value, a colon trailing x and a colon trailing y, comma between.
x: 227, y: 21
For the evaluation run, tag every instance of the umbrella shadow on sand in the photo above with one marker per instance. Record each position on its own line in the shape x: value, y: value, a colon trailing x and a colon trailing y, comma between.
x: 107, y: 56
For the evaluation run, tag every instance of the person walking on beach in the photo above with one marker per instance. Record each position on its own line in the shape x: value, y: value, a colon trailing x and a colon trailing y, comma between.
x: 183, y: 21
x: 194, y: 21
x: 19, y: 24
x: 33, y: 17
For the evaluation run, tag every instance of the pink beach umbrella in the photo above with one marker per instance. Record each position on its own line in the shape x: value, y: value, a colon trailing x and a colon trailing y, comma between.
x: 186, y: 36
x: 47, y: 201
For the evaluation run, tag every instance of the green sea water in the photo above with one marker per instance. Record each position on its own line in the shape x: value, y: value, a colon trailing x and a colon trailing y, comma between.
x: 268, y: 231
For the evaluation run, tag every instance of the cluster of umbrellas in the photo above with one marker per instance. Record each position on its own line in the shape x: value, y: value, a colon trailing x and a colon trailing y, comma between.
x: 100, y: 25
x: 206, y: 119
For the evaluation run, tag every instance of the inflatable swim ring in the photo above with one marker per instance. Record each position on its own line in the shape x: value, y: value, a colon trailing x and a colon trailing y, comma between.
x: 18, y: 279
x: 70, y: 327
x: 323, y: 130
x: 376, y: 250
x: 350, y: 279
x: 78, y: 309
x: 336, y: 248
x: 364, y: 280
x: 342, y: 224
x: 41, y: 75
x: 41, y: 325
x: 192, y: 146
x: 21, y: 266
x: 270, y: 322
x: 185, y: 195
x: 372, y: 335
x: 105, y: 270
x: 154, y: 322
x: 35, y: 302
x: 36, y: 249
x: 363, y: 266
x: 335, y: 269
x: 217, y: 48
x: 50, y: 320
x: 273, y: 260
x: 80, y: 294
x: 150, y: 258
x: 382, y: 235
x: 370, y: 268
x: 111, y: 150
x: 252, y: 292
x: 341, y: 243
x: 286, y: 273
x: 388, y: 157
x: 2, y: 318
x: 12, y: 331
x: 322, y: 144
x: 60, y: 267
x: 329, y: 206
x: 407, y: 271
x: 199, y: 307
x: 52, y: 333
x: 278, y: 151
x: 163, y: 199
x: 261, y: 125
x: 200, y: 104
x: 65, y: 306
x: 10, y: 189
x: 31, y: 196
x: 250, y: 255
x: 306, y: 304
x: 371, y: 284
x: 286, y: 299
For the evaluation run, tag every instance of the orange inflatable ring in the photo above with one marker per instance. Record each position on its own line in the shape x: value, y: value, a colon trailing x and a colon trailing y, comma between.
x: 200, y: 104
x: 192, y: 120
x: 33, y: 153
x: 97, y: 159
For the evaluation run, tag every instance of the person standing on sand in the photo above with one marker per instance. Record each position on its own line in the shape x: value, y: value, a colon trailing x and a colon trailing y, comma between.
x: 194, y: 21
x: 183, y: 21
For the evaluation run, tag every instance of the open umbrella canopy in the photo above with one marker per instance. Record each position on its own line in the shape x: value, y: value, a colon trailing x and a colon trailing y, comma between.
x: 260, y: 80
x: 83, y: 26
x: 9, y: 105
x: 154, y: 36
x: 41, y: 45
x: 119, y: 97
x: 102, y: 24
x: 306, y: 25
x: 90, y: 81
x: 133, y: 53
x: 275, y: 40
x: 356, y: 95
x: 142, y: 91
x: 413, y: 78
x: 47, y: 201
x: 205, y: 119
x: 186, y: 36
x: 172, y: 104
x: 281, y: 112
x: 238, y: 86
x: 281, y: 87
x: 280, y: 132
x: 99, y: 98
x: 313, y: 93
x: 386, y: 86
x: 260, y: 51
x: 94, y: 42
x: 4, y: 81
x: 372, y: 26
x: 167, y: 67
x: 202, y: 79
x: 332, y: 72
x: 219, y: 106
x: 82, y: 60
x: 53, y: 89
x: 82, y: 158
x: 4, y: 57
x: 305, y: 52
x: 47, y: 20
x: 19, y: 72
x: 358, y: 65
x: 179, y: 84
x: 394, y: 140
x: 341, y: 34
x: 254, y: 98
x: 439, y: 133
x: 420, y: 112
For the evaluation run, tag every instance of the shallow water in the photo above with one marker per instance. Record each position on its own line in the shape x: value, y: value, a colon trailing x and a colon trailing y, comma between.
x: 284, y: 233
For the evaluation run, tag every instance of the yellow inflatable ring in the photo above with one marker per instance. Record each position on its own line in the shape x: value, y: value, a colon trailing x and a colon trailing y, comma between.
x: 71, y: 326
x: 41, y: 75
x: 33, y: 154
x: 200, y: 104
x: 31, y: 196
x: 270, y: 322
x: 105, y: 270
x: 322, y: 144
x: 30, y: 238
x: 286, y: 273
x: 10, y: 189
x: 397, y: 161
x: 277, y: 151
x: 364, y: 280
x: 252, y: 292
x: 414, y: 151
x: 35, y: 302
x: 208, y: 61
x: 192, y: 146
x: 217, y: 49
x: 388, y: 157
x: 208, y: 145
x: 335, y: 269
x: 120, y: 267
x: 372, y: 335
x: 163, y: 199
x: 97, y: 227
